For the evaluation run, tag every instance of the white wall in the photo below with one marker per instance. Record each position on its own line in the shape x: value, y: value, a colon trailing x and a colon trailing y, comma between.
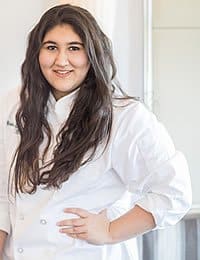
x: 176, y: 77
x: 16, y: 20
x: 128, y: 45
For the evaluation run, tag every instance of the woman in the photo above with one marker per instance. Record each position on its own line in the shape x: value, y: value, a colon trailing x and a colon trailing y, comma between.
x: 86, y: 168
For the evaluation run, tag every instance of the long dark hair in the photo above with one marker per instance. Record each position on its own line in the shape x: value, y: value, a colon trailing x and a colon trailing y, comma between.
x: 90, y: 121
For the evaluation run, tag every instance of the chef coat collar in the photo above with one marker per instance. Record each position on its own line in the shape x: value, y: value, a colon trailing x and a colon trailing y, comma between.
x: 62, y: 106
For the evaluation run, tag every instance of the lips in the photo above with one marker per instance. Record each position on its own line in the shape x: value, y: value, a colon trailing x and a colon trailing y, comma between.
x: 62, y: 73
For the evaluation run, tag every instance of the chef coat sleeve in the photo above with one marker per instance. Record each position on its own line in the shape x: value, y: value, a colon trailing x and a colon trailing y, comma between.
x: 157, y: 175
x: 4, y: 206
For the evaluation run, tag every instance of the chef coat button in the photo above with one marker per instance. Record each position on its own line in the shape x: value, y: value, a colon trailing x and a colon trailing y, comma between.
x: 20, y: 250
x: 43, y: 221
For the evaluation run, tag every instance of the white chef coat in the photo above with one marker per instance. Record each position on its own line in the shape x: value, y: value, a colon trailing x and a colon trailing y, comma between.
x: 139, y: 166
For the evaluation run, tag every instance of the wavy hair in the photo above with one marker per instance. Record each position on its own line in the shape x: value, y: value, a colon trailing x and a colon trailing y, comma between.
x: 90, y: 120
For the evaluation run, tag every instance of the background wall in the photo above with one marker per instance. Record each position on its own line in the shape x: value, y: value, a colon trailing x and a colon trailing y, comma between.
x: 176, y: 77
x: 16, y: 20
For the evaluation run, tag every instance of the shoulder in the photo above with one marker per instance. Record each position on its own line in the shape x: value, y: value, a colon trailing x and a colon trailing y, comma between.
x: 136, y: 125
x: 136, y: 122
x: 130, y: 113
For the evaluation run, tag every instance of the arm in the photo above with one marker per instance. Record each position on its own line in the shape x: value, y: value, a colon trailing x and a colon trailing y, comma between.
x: 3, y: 236
x: 153, y: 170
x: 4, y: 207
x: 123, y: 228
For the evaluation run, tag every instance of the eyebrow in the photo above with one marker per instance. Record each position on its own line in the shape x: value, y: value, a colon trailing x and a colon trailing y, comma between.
x: 69, y: 43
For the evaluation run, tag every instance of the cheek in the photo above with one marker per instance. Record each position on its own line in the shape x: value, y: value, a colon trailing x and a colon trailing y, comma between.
x: 45, y: 61
x: 82, y: 62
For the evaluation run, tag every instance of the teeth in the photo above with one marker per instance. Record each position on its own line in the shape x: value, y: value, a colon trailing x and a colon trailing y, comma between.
x: 62, y: 72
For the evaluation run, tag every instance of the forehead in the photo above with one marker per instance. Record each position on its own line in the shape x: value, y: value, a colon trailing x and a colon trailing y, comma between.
x: 63, y: 32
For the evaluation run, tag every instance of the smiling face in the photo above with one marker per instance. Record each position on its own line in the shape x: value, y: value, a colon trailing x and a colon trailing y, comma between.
x: 63, y: 60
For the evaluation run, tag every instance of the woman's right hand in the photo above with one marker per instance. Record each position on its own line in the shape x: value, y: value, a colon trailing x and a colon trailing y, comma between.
x: 3, y: 236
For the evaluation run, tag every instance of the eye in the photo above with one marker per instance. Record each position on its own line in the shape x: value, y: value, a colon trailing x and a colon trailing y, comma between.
x: 74, y: 48
x: 51, y: 47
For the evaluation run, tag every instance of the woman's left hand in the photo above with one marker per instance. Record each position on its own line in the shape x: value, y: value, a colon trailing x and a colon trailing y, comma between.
x: 94, y: 228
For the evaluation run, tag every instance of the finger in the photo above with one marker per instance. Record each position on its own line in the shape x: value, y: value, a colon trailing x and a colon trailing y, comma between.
x: 78, y: 211
x: 81, y: 236
x: 74, y: 230
x: 71, y: 222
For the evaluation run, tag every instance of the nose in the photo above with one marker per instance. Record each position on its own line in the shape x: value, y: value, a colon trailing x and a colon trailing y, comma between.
x: 62, y: 59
